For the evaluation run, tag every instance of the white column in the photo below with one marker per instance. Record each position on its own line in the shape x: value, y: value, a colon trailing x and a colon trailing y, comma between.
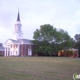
x: 10, y: 50
x: 5, y: 51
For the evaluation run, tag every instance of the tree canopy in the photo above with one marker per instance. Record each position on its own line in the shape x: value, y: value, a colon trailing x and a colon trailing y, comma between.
x: 49, y: 39
x: 45, y: 33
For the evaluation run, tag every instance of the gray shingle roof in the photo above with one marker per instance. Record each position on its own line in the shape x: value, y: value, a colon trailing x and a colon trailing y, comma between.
x: 24, y: 41
x: 14, y: 41
x: 27, y: 41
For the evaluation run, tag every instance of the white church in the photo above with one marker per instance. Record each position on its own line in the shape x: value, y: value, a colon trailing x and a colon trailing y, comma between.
x: 18, y: 46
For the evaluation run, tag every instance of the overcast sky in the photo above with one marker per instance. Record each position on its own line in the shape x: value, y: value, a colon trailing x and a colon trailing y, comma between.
x: 64, y: 14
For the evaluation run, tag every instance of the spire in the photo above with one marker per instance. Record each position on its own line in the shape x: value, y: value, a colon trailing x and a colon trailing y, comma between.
x: 18, y: 17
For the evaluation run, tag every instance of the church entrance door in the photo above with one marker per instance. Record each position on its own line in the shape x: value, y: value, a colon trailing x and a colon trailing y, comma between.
x: 29, y: 52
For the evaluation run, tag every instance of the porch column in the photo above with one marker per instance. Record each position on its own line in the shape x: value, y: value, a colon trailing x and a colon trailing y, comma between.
x: 10, y: 51
x: 5, y: 51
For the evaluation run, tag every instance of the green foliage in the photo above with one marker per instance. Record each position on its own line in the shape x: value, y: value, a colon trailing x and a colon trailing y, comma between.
x: 42, y: 47
x: 77, y: 37
x: 69, y: 52
x: 77, y: 42
x: 37, y: 34
x: 45, y: 33
x: 49, y: 40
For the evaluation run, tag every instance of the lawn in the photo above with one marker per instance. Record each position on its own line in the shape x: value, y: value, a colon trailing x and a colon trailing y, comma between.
x: 38, y: 68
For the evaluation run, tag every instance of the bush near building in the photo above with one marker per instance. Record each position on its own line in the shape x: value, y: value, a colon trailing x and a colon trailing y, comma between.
x: 69, y: 53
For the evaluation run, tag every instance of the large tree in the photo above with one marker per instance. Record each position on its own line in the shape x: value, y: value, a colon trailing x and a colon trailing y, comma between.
x: 49, y: 39
x: 77, y: 42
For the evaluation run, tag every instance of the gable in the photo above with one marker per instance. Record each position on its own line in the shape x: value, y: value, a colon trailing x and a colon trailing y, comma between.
x: 8, y: 42
x: 11, y: 41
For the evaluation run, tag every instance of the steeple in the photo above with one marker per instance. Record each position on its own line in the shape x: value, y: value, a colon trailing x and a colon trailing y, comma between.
x: 18, y: 17
x: 18, y: 32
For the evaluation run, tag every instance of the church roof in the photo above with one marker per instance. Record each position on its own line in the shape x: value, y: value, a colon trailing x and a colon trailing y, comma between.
x: 21, y: 41
x: 18, y: 17
x: 27, y: 41
x: 14, y: 41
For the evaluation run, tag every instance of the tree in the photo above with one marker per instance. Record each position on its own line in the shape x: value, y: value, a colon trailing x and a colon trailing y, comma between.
x: 49, y: 40
x: 77, y: 37
x: 46, y: 32
x: 66, y: 40
x: 77, y: 42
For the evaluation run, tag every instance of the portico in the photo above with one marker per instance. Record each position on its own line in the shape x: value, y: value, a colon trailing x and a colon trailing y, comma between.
x: 12, y: 50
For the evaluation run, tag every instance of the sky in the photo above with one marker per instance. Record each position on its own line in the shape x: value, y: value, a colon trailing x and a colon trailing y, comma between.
x: 64, y: 14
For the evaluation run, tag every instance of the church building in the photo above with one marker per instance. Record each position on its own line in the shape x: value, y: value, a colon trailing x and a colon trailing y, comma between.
x: 18, y: 46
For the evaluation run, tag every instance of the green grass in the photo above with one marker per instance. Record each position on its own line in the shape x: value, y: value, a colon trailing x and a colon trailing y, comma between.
x: 38, y: 68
